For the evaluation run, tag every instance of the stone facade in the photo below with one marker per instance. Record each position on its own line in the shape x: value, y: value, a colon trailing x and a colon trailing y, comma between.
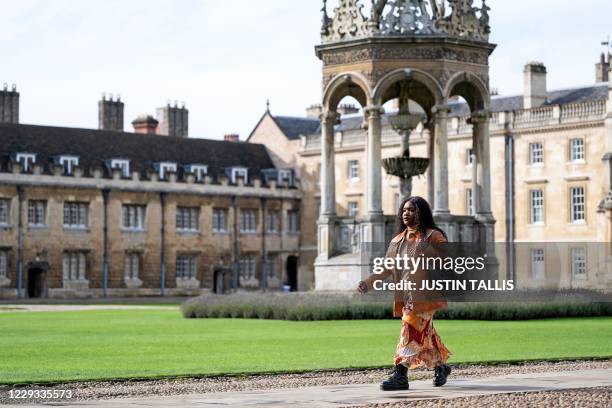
x: 175, y: 247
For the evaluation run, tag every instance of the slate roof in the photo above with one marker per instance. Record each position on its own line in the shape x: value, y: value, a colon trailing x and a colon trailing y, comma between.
x: 95, y: 146
x: 293, y: 127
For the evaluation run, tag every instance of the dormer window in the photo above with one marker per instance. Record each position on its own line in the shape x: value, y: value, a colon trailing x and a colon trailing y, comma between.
x: 121, y: 164
x: 164, y: 168
x: 199, y: 170
x: 239, y: 172
x: 285, y: 176
x: 27, y: 160
x: 68, y: 163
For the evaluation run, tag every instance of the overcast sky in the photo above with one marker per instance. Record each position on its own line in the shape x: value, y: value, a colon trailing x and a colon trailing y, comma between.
x: 225, y: 58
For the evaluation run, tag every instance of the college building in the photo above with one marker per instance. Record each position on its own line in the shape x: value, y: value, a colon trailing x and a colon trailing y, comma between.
x: 109, y: 213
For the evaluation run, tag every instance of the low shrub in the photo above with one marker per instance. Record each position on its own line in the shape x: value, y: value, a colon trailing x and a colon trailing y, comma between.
x: 340, y: 306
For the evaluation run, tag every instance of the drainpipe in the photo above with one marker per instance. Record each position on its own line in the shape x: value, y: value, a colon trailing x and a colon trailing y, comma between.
x: 510, y: 210
x: 20, y: 195
x: 235, y: 244
x: 263, y: 284
x: 105, y: 193
x: 162, y: 255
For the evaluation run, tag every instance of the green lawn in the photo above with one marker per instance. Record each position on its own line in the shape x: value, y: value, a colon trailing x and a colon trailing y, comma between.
x: 50, y: 346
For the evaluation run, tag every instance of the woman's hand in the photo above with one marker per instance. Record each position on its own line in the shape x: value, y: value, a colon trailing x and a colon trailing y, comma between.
x: 362, y: 287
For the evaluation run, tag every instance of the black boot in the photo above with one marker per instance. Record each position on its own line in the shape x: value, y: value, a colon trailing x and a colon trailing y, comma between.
x: 398, y: 381
x: 440, y: 374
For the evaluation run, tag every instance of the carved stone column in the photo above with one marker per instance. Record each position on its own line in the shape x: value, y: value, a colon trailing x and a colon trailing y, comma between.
x: 441, y: 160
x: 328, y: 180
x: 374, y: 162
x: 373, y: 227
x: 430, y: 135
x: 327, y: 215
x: 482, y: 164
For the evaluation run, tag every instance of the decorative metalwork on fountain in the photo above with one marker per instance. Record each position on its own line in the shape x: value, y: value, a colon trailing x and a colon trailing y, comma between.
x: 450, y: 18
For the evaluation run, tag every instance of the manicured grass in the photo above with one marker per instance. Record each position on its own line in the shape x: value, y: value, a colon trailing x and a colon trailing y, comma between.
x: 62, y: 346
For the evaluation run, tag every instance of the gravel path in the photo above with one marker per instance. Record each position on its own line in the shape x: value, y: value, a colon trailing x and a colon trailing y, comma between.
x: 126, y: 389
x: 582, y: 397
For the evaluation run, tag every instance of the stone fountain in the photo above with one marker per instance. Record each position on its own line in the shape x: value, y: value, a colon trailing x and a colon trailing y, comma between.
x: 404, y: 166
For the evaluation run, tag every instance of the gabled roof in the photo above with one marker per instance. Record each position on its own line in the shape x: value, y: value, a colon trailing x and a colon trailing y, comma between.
x: 95, y: 146
x: 293, y: 127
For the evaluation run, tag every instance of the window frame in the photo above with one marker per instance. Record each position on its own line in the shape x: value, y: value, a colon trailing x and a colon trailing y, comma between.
x: 573, y: 210
x: 76, y: 259
x: 293, y: 221
x: 121, y: 164
x: 26, y: 160
x: 536, y: 207
x: 128, y: 265
x: 235, y: 174
x: 68, y: 162
x: 573, y: 263
x: 76, y: 213
x: 215, y: 220
x: 247, y: 267
x: 352, y: 209
x: 140, y: 220
x: 39, y: 204
x: 469, y: 202
x: 581, y: 149
x: 534, y: 154
x: 193, y: 213
x: 5, y: 211
x: 188, y: 260
x: 469, y: 156
x: 353, y: 167
x: 164, y: 167
x: 245, y: 217
x: 536, y: 253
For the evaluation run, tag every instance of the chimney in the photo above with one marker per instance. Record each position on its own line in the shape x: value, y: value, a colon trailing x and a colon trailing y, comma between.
x: 9, y: 104
x: 314, y: 111
x: 602, y: 68
x: 232, y: 137
x: 535, y: 85
x: 110, y: 114
x: 347, y: 109
x: 145, y: 124
x: 173, y: 121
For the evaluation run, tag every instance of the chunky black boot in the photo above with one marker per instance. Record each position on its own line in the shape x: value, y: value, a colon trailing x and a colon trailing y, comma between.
x: 440, y: 374
x: 398, y: 381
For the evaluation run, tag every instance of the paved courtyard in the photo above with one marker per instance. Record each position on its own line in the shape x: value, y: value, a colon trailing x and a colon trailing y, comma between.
x: 574, y: 384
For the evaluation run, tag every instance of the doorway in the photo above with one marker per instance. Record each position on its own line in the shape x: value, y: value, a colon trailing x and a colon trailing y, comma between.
x: 292, y: 266
x: 37, y: 283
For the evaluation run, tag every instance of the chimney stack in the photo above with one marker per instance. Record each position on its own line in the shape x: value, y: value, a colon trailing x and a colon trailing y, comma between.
x: 314, y: 111
x: 110, y: 114
x: 9, y: 104
x: 535, y: 85
x: 347, y: 109
x: 173, y: 120
x: 232, y: 137
x: 145, y: 124
x: 602, y: 68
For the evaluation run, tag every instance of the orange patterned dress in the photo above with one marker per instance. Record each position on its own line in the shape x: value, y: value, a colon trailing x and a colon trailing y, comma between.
x: 419, y: 344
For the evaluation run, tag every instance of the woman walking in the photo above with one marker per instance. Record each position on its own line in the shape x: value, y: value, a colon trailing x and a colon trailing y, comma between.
x: 419, y: 345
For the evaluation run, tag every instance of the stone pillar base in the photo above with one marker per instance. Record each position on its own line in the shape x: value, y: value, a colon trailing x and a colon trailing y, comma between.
x: 326, y: 237
x: 341, y: 272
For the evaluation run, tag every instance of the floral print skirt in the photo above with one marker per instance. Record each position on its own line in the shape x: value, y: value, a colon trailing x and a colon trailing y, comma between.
x: 419, y: 345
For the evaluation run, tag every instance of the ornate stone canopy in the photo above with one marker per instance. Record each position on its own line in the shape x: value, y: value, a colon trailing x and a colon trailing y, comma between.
x: 448, y: 18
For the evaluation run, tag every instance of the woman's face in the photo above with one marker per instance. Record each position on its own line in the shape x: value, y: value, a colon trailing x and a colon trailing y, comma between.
x: 409, y: 215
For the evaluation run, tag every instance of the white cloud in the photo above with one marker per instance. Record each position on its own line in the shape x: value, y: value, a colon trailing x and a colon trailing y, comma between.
x: 226, y: 58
